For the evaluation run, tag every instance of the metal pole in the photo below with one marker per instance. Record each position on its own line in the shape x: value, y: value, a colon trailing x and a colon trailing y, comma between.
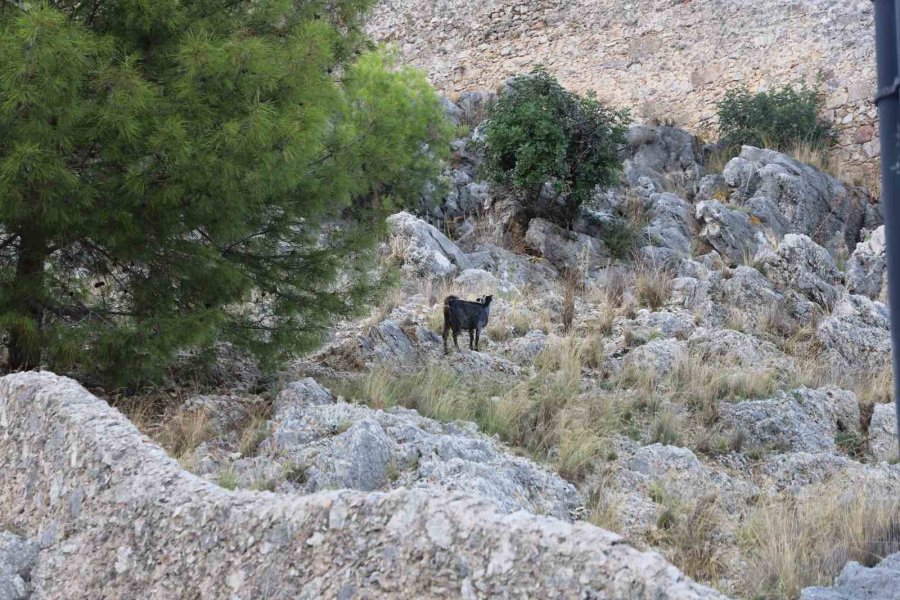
x: 888, y: 101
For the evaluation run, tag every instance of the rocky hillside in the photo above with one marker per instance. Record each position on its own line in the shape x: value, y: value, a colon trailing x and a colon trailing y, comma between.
x: 700, y: 365
x: 669, y: 59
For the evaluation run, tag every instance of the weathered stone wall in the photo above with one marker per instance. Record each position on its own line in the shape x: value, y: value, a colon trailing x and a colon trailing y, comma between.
x: 120, y: 519
x: 661, y: 58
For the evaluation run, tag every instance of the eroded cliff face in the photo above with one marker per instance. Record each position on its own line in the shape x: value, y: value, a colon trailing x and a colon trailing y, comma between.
x: 665, y: 59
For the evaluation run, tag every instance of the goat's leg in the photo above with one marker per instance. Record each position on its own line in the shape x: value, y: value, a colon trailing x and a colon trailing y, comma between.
x: 477, y: 337
x: 445, y: 334
x: 471, y: 339
x: 455, y: 342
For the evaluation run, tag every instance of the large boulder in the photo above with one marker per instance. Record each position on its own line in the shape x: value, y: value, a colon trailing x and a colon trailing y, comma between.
x: 665, y: 155
x: 801, y: 265
x: 857, y: 581
x: 729, y: 231
x: 422, y: 249
x: 866, y: 271
x: 565, y: 249
x: 340, y: 445
x: 787, y: 196
x: 883, y: 432
x: 802, y: 420
x: 671, y: 225
x: 857, y: 333
x: 17, y: 557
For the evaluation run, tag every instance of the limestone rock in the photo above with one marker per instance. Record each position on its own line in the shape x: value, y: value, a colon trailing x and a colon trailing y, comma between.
x: 423, y: 249
x: 565, y: 249
x: 801, y: 265
x: 17, y: 557
x: 670, y: 225
x: 883, y: 432
x: 867, y: 267
x: 803, y: 419
x: 70, y: 460
x: 857, y: 333
x: 856, y: 581
x: 788, y: 196
x: 663, y: 154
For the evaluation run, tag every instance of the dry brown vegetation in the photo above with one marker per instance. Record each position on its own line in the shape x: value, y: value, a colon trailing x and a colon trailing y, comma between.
x: 793, y: 543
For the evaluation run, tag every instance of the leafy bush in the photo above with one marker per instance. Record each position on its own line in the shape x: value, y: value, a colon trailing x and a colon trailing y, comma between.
x: 540, y: 132
x: 779, y: 119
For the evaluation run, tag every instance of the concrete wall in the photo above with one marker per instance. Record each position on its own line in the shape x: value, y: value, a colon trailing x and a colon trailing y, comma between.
x: 122, y: 520
x: 661, y: 58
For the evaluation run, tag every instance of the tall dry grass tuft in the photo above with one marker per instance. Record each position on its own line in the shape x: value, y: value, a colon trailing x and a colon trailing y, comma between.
x: 572, y: 280
x: 689, y: 537
x: 792, y: 543
x: 182, y: 434
x: 652, y: 285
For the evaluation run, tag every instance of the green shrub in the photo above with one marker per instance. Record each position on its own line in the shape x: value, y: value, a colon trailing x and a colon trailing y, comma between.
x: 779, y: 119
x: 539, y: 132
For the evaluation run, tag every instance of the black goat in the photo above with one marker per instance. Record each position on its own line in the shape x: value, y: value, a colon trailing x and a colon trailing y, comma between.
x: 462, y: 315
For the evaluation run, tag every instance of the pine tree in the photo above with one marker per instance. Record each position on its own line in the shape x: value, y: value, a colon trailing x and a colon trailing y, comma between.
x: 178, y: 174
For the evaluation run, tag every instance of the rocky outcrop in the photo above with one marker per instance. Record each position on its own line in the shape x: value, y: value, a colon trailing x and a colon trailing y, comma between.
x: 802, y: 420
x: 729, y: 231
x: 857, y: 333
x: 801, y: 265
x: 123, y: 520
x: 786, y: 196
x: 883, y: 432
x: 664, y: 155
x: 867, y: 268
x: 565, y: 249
x: 670, y: 227
x: 856, y: 581
x: 340, y: 445
x: 422, y: 249
x: 17, y: 557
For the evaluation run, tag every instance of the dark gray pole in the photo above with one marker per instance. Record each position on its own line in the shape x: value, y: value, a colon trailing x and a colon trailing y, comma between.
x: 888, y: 101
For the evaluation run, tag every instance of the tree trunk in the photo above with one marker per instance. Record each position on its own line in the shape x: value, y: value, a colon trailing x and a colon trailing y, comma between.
x: 27, y: 302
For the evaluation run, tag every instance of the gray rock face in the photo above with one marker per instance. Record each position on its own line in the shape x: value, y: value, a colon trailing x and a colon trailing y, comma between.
x: 340, y: 445
x: 802, y: 420
x: 802, y: 265
x: 857, y: 333
x: 124, y: 521
x: 867, y: 268
x: 17, y: 557
x: 659, y: 151
x: 883, y: 432
x: 423, y: 249
x: 857, y: 582
x: 680, y: 474
x: 788, y: 196
x: 657, y: 356
x: 565, y: 249
x: 670, y: 224
x: 729, y: 231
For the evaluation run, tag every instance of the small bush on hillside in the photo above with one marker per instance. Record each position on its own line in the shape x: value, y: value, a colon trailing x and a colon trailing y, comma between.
x: 540, y: 132
x: 780, y: 119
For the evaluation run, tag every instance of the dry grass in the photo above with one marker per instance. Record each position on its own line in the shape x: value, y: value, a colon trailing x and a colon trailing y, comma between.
x: 716, y: 161
x: 666, y: 429
x: 652, y: 286
x: 184, y: 432
x: 603, y: 506
x: 572, y: 281
x: 546, y: 414
x: 689, y: 536
x: 790, y: 544
x: 253, y: 430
